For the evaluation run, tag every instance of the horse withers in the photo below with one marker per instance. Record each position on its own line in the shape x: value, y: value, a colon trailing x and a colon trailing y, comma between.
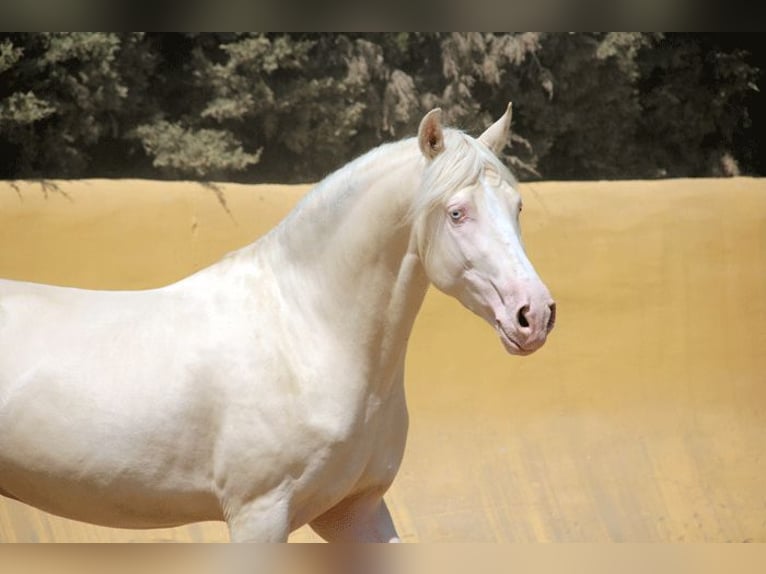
x: 266, y: 390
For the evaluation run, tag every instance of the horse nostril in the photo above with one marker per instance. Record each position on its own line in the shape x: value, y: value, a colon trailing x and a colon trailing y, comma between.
x: 521, y: 316
x: 552, y: 318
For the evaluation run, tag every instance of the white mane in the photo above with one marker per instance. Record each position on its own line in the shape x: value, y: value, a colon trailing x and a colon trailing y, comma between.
x: 461, y: 164
x: 340, y: 185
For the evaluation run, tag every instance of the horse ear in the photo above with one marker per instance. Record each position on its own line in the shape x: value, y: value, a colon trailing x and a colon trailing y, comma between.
x: 430, y: 134
x: 496, y: 135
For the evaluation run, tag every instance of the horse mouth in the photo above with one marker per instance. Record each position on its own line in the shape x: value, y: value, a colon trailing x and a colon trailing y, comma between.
x: 510, y: 344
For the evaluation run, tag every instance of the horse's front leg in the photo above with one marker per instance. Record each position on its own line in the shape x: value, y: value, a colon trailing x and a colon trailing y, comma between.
x: 363, y: 518
x: 264, y: 519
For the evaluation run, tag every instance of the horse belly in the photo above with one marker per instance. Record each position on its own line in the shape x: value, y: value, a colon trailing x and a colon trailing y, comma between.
x: 135, y: 459
x: 101, y: 416
x: 95, y: 475
x: 118, y: 504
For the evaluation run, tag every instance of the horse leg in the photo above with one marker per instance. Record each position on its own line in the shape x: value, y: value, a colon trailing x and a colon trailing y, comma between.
x: 261, y: 520
x: 363, y: 518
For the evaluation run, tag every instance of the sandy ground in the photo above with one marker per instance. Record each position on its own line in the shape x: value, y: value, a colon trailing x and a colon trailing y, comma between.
x: 643, y: 419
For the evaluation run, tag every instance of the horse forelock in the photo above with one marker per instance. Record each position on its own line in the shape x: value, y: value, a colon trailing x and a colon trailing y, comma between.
x: 459, y: 165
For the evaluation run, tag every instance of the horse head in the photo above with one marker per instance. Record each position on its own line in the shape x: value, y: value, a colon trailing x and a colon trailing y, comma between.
x: 468, y: 234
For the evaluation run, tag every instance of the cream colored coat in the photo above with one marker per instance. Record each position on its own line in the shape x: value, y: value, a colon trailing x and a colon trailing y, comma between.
x: 266, y: 390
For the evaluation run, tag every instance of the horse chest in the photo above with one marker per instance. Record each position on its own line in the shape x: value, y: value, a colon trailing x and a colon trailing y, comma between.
x: 365, y: 458
x: 326, y: 445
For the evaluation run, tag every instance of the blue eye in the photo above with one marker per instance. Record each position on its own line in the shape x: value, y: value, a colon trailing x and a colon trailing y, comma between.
x: 456, y: 214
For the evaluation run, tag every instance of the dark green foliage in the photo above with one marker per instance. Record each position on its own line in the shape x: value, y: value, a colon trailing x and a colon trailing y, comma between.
x: 695, y: 97
x: 177, y: 150
x: 292, y: 107
x: 62, y: 95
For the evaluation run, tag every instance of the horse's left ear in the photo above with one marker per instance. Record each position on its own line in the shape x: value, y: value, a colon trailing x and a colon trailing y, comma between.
x: 496, y: 135
x: 430, y: 134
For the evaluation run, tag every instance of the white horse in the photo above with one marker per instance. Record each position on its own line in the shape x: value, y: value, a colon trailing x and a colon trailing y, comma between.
x: 267, y: 389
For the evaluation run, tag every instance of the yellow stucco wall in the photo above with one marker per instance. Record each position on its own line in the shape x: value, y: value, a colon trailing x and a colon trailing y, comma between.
x: 642, y: 419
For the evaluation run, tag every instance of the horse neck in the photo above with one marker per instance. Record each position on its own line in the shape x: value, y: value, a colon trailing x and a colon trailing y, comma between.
x: 346, y: 255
